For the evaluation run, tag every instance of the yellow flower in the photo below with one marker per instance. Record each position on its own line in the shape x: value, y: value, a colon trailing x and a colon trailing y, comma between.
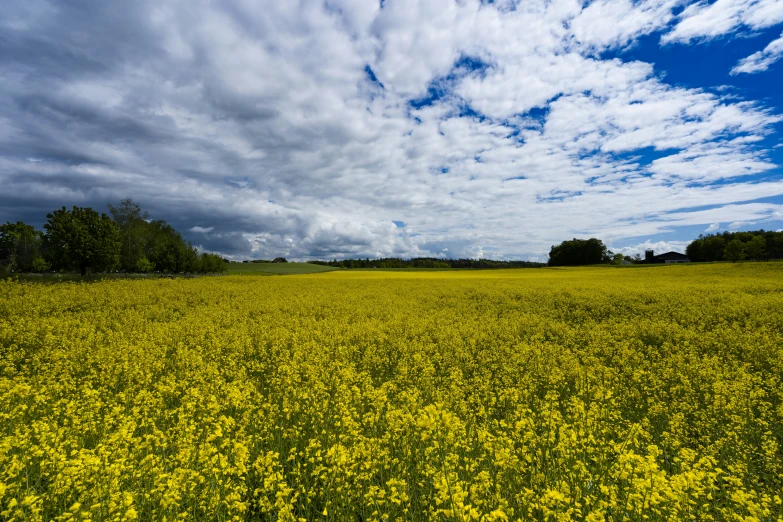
x: 586, y: 393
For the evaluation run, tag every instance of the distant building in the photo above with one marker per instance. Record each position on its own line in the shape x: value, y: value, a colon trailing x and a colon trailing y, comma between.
x: 668, y: 257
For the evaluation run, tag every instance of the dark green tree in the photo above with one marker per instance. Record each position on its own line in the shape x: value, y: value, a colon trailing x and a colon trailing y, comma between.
x: 20, y: 246
x: 578, y: 252
x: 167, y: 250
x: 132, y: 223
x: 759, y: 244
x: 712, y: 248
x: 735, y: 251
x: 694, y: 250
x: 82, y: 239
x: 774, y: 242
x: 756, y: 248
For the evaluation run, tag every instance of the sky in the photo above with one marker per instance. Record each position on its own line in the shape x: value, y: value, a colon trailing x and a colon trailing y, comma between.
x: 398, y: 128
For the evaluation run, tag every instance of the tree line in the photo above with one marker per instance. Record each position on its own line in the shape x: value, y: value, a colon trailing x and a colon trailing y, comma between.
x: 757, y: 245
x: 86, y: 241
x: 426, y: 262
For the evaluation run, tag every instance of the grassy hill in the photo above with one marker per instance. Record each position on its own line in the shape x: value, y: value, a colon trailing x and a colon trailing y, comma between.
x: 263, y: 269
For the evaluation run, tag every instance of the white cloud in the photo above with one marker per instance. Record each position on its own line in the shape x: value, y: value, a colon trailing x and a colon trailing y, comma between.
x: 711, y: 19
x: 201, y: 230
x: 711, y: 162
x: 761, y: 60
x: 714, y: 227
x: 738, y: 224
x: 607, y: 23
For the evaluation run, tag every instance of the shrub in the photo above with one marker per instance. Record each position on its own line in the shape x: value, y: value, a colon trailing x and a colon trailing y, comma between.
x: 144, y: 266
x: 212, y: 264
x: 40, y: 265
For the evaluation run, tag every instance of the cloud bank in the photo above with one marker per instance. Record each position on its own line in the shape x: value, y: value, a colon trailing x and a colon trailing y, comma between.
x: 315, y: 129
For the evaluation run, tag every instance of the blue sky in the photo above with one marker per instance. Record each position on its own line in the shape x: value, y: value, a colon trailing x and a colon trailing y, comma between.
x: 349, y: 128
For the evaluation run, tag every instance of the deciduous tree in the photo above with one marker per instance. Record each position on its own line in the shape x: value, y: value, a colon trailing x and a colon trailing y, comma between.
x: 82, y: 239
x: 132, y: 222
x: 755, y: 248
x: 578, y: 252
x: 735, y: 251
x: 20, y: 245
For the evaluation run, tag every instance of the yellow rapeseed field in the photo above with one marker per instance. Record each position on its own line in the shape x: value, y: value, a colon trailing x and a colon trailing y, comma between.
x: 553, y: 394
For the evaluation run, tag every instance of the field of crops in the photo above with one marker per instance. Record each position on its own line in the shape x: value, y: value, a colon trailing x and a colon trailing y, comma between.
x: 276, y: 268
x: 549, y: 394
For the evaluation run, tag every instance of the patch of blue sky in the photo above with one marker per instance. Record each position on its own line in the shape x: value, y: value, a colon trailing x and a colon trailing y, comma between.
x: 371, y: 76
x: 467, y: 64
x: 466, y: 111
x: 707, y: 65
x: 442, y: 86
x: 538, y: 114
x: 775, y: 154
x: 558, y: 195
x: 643, y: 156
x: 434, y: 93
x: 515, y: 132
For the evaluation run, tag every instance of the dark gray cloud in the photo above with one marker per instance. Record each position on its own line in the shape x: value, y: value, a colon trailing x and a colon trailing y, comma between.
x: 260, y: 124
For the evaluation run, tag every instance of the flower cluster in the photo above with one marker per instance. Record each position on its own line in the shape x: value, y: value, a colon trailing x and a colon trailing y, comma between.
x: 593, y: 394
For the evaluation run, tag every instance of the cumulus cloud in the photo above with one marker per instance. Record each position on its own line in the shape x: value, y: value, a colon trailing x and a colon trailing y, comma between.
x: 314, y: 129
x: 761, y: 60
x: 714, y: 227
